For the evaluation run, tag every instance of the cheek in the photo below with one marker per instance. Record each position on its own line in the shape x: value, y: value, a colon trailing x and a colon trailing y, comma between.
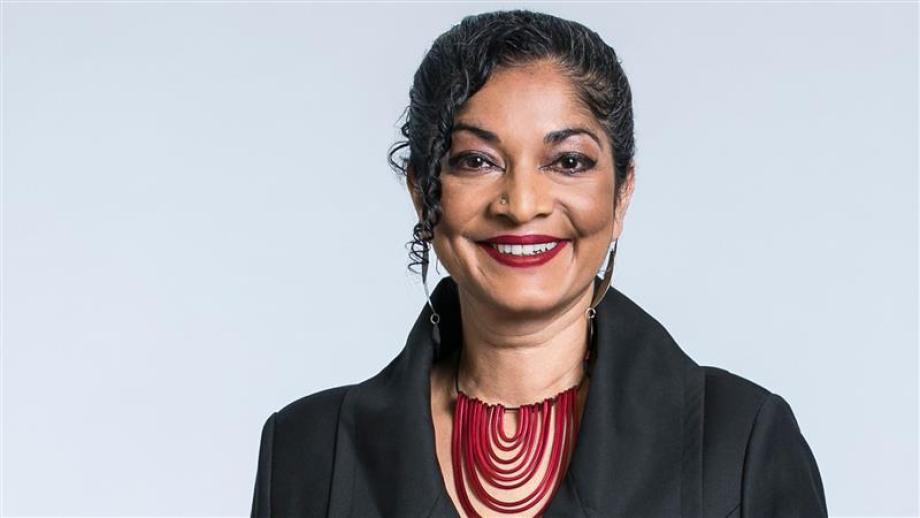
x: 457, y: 210
x: 460, y: 204
x: 591, y: 211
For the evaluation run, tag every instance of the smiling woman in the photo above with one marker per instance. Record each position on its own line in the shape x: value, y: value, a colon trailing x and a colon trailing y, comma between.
x: 529, y: 385
x: 526, y: 166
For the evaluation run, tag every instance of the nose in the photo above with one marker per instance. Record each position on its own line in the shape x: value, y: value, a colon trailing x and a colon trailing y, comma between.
x: 528, y: 192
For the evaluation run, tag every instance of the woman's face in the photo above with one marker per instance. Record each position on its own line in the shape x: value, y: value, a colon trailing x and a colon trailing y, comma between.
x: 526, y: 137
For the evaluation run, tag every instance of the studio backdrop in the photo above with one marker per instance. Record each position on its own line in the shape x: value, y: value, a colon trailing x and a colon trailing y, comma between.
x: 193, y: 192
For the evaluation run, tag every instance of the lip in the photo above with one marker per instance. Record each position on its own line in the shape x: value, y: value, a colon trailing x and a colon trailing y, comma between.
x: 523, y: 261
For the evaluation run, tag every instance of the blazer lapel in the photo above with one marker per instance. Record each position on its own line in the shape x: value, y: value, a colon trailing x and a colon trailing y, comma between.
x: 639, y: 446
x: 385, y: 462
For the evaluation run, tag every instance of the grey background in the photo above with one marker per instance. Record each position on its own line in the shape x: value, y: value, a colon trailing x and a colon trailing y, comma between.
x: 194, y: 193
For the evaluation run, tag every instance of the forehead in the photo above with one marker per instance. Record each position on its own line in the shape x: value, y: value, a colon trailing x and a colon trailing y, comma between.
x: 527, y: 102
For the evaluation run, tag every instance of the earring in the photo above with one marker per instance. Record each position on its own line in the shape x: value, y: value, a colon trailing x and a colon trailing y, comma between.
x: 435, y: 317
x: 605, y: 283
x: 599, y: 293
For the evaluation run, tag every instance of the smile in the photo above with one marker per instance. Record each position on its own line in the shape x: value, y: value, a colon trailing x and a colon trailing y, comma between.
x: 523, y: 255
x: 524, y: 249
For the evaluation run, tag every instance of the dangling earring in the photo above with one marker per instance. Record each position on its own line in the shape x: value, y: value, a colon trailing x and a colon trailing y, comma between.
x: 435, y: 317
x: 605, y: 283
x: 599, y: 293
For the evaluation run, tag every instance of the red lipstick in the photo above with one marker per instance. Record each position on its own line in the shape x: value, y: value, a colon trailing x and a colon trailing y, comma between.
x: 522, y: 261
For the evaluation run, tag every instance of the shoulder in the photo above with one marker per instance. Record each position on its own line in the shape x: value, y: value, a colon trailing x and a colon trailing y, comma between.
x: 731, y: 399
x: 731, y: 403
x: 734, y: 406
x: 313, y: 416
x: 310, y: 420
x: 308, y: 411
x: 750, y: 431
x: 296, y: 455
x: 307, y: 416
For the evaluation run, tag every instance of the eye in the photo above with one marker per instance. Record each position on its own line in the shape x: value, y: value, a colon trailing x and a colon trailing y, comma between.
x: 570, y: 162
x: 469, y: 161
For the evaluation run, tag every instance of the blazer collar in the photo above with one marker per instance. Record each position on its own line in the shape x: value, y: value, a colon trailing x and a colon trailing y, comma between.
x: 639, y: 445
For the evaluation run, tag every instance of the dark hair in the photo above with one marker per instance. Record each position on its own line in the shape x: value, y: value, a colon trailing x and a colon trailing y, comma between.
x: 459, y: 64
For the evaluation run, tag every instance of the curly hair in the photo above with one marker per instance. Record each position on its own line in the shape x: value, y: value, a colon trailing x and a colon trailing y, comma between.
x: 459, y: 63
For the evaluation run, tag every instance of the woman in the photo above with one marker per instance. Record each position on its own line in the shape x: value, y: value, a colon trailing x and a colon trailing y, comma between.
x: 528, y: 385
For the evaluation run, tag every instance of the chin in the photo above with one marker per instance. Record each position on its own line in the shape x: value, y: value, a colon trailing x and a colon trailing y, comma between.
x: 533, y: 300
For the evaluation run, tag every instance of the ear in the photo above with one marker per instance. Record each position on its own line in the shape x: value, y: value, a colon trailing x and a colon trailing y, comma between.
x: 623, y: 203
x: 412, y: 185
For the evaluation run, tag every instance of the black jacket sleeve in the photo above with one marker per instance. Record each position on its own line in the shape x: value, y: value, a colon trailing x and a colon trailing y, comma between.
x: 780, y: 475
x: 261, y: 497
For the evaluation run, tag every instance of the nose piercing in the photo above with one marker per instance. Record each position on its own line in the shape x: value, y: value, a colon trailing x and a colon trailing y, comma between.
x: 503, y: 200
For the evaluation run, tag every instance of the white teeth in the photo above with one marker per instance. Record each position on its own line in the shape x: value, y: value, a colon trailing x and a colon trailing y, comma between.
x: 525, y: 249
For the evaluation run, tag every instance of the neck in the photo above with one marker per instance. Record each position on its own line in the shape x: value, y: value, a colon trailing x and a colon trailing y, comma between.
x: 521, y: 361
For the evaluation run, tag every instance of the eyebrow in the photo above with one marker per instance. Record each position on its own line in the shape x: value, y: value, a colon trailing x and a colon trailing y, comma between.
x: 553, y: 137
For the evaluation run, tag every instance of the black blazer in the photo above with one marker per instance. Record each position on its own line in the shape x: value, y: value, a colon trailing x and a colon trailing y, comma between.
x: 660, y: 436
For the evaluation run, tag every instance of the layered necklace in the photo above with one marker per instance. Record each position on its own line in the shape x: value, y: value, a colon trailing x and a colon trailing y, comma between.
x: 479, y: 431
x: 479, y: 435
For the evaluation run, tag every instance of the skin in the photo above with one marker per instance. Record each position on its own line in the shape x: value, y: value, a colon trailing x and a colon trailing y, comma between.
x: 524, y: 329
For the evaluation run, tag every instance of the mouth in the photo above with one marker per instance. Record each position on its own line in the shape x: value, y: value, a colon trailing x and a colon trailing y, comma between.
x: 523, y: 251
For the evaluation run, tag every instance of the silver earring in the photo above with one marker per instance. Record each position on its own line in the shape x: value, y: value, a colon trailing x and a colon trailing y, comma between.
x: 435, y: 318
x: 599, y: 293
x: 605, y: 283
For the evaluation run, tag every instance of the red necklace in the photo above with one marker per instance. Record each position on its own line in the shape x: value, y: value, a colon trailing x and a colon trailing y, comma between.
x: 478, y: 431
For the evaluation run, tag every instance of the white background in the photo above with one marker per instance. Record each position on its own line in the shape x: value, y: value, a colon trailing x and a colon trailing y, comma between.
x: 194, y: 195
